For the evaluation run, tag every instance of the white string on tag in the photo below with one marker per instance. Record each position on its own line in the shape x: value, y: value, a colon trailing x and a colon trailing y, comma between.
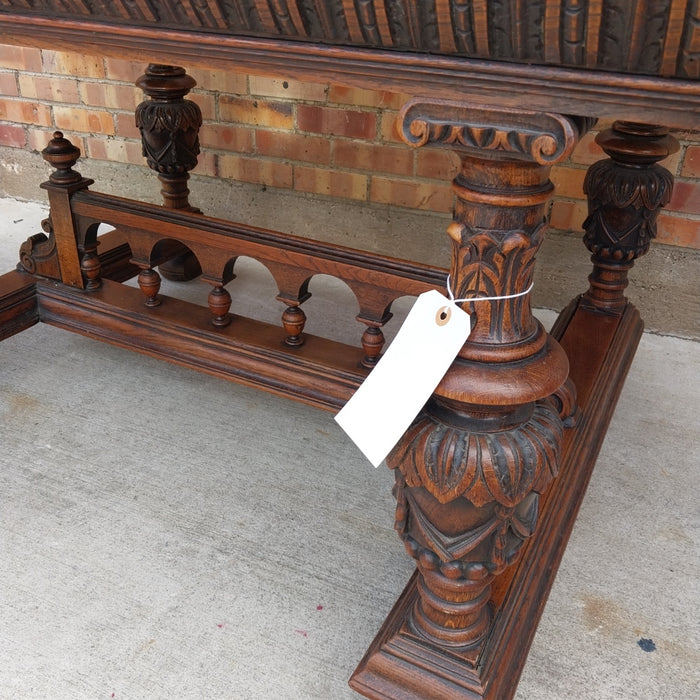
x: 385, y: 404
x: 470, y: 299
x: 392, y: 395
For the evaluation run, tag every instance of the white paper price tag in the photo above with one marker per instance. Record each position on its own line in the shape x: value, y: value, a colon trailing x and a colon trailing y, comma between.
x: 385, y: 404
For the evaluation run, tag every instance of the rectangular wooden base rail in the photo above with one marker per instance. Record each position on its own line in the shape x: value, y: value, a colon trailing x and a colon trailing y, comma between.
x: 491, y: 473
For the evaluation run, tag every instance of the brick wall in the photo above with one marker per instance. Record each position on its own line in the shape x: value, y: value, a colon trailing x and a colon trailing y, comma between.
x: 324, y: 140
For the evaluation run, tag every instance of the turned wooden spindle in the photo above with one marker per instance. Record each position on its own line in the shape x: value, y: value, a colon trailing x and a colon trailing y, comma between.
x: 149, y: 284
x: 219, y: 301
x: 90, y: 266
x: 373, y: 342
x: 294, y: 320
x: 625, y: 194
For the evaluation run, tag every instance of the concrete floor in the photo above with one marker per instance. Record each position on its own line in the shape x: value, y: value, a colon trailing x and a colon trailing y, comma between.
x: 164, y: 534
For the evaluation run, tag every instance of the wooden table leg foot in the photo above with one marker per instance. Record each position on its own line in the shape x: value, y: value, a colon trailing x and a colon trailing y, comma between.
x: 401, y: 662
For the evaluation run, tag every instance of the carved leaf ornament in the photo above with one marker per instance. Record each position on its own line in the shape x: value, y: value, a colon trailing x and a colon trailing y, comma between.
x: 489, y: 263
x: 170, y: 134
x: 483, y: 467
x: 621, y: 187
x: 624, y: 206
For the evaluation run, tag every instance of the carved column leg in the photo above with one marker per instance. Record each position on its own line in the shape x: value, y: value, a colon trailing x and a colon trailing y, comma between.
x: 470, y: 469
x: 625, y: 194
x: 169, y: 127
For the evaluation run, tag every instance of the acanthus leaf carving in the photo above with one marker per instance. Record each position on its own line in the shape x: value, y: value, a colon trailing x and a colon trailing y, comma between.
x: 450, y: 461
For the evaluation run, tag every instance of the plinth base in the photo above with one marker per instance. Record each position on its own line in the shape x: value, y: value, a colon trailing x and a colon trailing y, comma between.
x: 400, y: 664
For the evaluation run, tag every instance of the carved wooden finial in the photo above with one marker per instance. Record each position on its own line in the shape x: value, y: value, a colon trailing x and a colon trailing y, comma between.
x: 62, y: 155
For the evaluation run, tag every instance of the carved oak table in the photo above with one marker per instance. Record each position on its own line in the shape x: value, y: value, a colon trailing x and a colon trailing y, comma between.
x: 490, y: 475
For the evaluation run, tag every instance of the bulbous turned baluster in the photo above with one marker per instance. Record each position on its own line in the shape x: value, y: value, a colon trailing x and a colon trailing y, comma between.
x: 372, y: 343
x: 463, y: 511
x: 220, y: 304
x: 294, y: 320
x: 90, y: 266
x: 169, y: 127
x: 149, y: 284
x: 625, y: 194
x: 470, y: 468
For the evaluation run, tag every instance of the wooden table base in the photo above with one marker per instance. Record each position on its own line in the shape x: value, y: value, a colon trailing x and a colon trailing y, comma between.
x: 401, y: 662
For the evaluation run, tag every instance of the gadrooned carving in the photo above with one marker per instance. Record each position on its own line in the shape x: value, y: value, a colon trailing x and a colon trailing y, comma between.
x: 625, y: 38
x: 452, y: 461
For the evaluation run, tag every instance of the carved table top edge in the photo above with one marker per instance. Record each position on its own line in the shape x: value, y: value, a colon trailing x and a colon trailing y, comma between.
x: 672, y: 102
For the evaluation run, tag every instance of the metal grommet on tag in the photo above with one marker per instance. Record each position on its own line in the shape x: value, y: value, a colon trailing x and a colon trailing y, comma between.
x: 443, y: 315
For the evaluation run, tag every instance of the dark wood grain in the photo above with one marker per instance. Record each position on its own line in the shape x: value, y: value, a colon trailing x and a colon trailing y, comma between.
x: 672, y: 99
x: 490, y: 475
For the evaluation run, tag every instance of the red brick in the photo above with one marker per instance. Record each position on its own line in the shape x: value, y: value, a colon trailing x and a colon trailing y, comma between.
x: 90, y: 121
x: 12, y: 135
x: 567, y: 215
x: 691, y: 162
x: 333, y: 183
x: 76, y: 64
x: 350, y: 123
x: 25, y: 112
x: 206, y: 165
x: 686, y: 198
x: 20, y: 58
x: 382, y: 99
x: 8, y: 85
x: 373, y: 157
x: 287, y: 89
x: 125, y: 126
x: 277, y: 115
x: 678, y: 230
x: 51, y: 89
x: 436, y: 163
x: 206, y: 103
x: 387, y: 129
x: 228, y: 138
x: 412, y: 194
x: 221, y: 81
x: 110, y: 95
x: 290, y: 146
x: 568, y: 182
x: 257, y: 170
x: 124, y: 71
x: 587, y: 151
x: 116, y: 150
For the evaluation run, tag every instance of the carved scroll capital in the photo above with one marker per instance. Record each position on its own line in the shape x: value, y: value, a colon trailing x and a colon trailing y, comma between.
x: 541, y: 137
